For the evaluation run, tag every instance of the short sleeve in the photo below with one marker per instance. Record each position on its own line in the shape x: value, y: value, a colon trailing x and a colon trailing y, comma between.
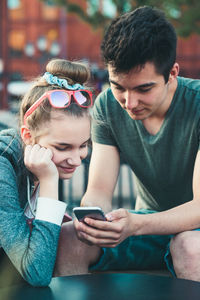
x: 101, y: 121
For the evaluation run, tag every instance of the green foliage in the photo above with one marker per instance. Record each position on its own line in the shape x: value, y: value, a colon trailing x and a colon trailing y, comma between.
x: 184, y: 14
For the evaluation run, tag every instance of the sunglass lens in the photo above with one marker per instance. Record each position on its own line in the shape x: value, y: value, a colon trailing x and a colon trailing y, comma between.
x: 60, y: 99
x: 83, y: 98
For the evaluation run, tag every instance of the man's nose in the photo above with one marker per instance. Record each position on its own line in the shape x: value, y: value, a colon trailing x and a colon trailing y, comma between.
x: 131, y: 100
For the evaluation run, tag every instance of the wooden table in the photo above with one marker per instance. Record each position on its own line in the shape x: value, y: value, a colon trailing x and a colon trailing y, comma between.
x: 107, y: 286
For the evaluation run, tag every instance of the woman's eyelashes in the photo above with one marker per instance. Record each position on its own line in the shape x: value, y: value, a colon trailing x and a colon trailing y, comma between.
x: 84, y: 145
x: 58, y: 148
x: 61, y: 148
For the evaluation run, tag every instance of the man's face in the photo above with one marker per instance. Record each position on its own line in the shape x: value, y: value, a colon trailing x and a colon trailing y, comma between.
x: 141, y: 92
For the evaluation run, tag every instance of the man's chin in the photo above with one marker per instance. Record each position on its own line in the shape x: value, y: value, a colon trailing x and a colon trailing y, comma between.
x: 138, y: 117
x: 134, y: 117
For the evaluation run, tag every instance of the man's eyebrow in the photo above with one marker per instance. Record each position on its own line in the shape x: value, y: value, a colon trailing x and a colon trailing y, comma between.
x: 145, y: 85
x: 149, y: 84
x: 114, y: 82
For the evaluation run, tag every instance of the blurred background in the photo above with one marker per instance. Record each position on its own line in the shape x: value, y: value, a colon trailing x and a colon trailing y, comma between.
x: 32, y: 32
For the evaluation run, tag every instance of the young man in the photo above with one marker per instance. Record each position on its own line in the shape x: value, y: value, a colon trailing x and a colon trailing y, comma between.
x: 152, y: 117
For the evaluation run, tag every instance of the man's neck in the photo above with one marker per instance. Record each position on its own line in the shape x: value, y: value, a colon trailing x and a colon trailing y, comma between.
x: 154, y: 122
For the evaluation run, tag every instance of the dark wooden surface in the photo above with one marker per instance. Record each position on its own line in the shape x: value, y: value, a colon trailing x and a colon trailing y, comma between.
x: 107, y: 286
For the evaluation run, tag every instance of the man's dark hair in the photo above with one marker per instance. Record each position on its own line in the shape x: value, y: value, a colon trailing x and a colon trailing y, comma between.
x: 143, y: 35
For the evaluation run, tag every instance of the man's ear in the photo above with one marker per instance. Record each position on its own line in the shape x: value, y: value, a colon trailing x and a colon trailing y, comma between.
x: 174, y: 72
x: 26, y: 135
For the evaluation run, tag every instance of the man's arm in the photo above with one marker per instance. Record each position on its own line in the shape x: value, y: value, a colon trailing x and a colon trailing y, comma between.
x: 178, y: 219
x: 123, y: 224
x: 181, y: 218
x: 103, y: 173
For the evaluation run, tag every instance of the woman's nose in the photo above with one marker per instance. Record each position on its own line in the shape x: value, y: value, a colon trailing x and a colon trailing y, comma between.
x: 74, y: 159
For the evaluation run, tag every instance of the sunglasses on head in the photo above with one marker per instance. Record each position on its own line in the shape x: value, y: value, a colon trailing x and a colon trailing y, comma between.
x: 62, y: 99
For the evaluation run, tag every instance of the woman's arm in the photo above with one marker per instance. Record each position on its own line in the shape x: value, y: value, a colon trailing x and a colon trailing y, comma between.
x: 32, y: 253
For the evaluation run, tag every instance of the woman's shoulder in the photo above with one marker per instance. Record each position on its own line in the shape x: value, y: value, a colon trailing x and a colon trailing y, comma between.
x: 10, y: 145
x: 8, y: 136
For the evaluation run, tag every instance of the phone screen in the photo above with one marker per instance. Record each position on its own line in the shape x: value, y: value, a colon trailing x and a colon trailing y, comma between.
x: 91, y: 212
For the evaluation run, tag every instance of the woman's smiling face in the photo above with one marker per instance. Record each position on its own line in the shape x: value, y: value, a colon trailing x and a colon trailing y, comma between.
x: 67, y: 136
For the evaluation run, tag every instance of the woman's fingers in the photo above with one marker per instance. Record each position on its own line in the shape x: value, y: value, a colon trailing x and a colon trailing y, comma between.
x: 39, y: 161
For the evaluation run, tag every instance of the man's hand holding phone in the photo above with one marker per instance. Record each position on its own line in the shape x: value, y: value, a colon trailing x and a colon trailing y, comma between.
x: 107, y: 233
x: 93, y: 212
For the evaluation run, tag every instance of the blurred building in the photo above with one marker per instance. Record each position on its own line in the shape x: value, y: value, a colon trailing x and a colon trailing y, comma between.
x: 188, y: 56
x: 31, y: 33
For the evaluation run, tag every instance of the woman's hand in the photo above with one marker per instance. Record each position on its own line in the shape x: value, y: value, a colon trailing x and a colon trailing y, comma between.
x: 105, y: 233
x: 38, y: 160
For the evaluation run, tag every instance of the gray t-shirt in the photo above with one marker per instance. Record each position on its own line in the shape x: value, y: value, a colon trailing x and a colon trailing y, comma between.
x: 163, y: 163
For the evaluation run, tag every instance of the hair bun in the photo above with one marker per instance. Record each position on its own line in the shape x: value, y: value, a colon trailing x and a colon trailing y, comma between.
x: 74, y: 72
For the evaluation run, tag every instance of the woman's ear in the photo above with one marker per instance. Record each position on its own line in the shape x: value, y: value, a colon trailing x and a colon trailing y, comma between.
x: 26, y: 135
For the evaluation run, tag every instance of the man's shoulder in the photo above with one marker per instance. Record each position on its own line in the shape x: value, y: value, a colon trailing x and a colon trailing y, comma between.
x: 104, y: 96
x: 189, y: 84
x: 106, y: 102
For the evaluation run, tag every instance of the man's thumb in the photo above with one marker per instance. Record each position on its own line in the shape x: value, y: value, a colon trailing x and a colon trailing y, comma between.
x: 115, y: 214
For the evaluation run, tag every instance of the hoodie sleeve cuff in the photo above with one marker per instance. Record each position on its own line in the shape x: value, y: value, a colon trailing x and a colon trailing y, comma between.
x: 50, y: 210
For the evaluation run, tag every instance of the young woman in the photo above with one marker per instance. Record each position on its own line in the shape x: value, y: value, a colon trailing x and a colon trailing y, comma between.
x: 53, y: 140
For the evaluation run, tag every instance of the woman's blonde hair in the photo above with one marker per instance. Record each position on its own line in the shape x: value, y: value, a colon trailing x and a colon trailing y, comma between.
x: 73, y: 72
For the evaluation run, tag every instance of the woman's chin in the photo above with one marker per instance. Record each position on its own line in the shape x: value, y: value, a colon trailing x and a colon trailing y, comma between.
x: 65, y: 176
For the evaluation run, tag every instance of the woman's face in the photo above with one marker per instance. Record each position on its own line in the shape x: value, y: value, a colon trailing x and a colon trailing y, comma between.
x: 67, y: 136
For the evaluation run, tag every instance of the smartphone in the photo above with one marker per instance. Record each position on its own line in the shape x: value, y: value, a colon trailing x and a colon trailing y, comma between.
x: 90, y: 212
